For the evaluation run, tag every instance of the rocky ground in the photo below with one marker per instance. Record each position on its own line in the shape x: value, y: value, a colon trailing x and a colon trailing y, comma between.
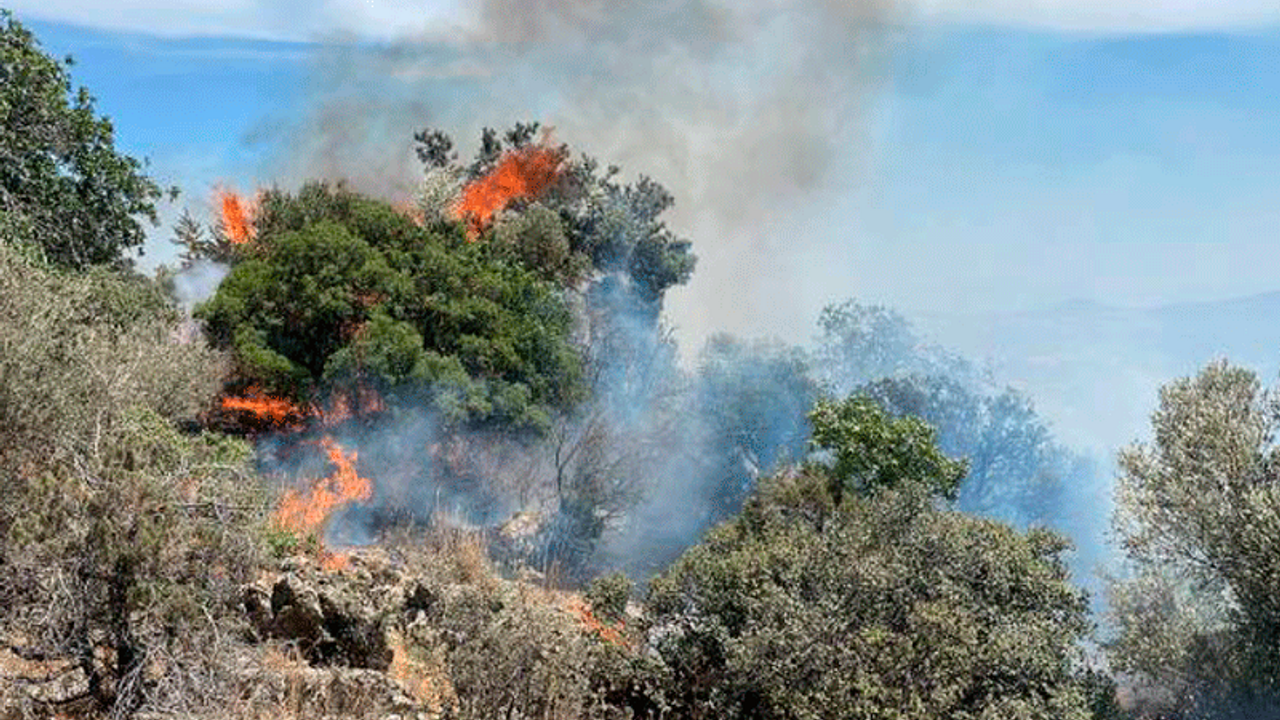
x: 369, y: 633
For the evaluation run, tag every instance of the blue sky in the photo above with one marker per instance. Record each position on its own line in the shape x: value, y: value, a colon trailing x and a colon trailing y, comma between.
x: 1017, y: 155
x: 1127, y: 170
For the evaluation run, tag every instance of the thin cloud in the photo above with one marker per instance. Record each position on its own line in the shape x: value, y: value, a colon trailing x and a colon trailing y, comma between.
x: 280, y: 20
x: 1106, y: 16
x: 381, y: 20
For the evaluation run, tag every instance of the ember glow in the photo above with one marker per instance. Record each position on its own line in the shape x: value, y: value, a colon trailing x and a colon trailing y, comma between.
x: 306, y: 510
x: 610, y: 633
x: 523, y: 173
x: 237, y: 217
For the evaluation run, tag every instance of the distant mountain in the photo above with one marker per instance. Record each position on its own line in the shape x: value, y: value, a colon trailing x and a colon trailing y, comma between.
x: 1094, y: 370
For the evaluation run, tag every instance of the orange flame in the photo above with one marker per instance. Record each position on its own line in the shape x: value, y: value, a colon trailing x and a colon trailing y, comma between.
x: 334, y: 562
x: 307, y: 510
x: 523, y: 173
x: 610, y: 633
x: 237, y: 217
x: 270, y: 410
x: 304, y: 510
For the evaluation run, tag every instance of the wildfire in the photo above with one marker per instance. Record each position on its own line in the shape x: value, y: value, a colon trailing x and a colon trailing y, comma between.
x: 306, y: 510
x: 272, y: 411
x: 523, y: 173
x: 237, y: 217
x: 610, y: 633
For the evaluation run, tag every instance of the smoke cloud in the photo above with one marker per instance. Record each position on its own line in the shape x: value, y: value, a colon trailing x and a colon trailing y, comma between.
x: 749, y: 112
x: 753, y: 114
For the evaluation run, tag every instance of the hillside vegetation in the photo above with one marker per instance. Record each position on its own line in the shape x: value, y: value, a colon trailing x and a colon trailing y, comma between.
x: 402, y: 460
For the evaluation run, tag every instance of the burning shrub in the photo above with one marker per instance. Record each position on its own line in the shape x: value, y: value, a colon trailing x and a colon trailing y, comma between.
x: 514, y: 650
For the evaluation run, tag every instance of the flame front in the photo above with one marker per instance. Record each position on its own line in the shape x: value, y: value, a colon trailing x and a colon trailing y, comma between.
x: 305, y: 511
x: 237, y: 218
x: 273, y: 411
x: 523, y: 173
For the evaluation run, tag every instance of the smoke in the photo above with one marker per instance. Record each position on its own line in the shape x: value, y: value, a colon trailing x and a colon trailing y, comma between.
x: 197, y: 283
x: 751, y: 113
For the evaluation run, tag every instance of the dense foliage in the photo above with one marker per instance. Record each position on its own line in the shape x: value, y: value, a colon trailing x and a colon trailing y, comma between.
x: 1198, y: 513
x: 752, y: 400
x: 337, y: 289
x: 813, y: 604
x: 585, y: 221
x: 1016, y: 471
x: 65, y: 191
x: 870, y: 450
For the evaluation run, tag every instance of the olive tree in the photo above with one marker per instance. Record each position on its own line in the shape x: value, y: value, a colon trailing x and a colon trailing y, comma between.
x: 845, y: 591
x: 1198, y: 516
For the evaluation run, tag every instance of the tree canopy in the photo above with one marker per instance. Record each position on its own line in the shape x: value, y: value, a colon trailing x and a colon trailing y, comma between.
x: 596, y: 223
x: 817, y: 603
x: 1198, y: 516
x: 337, y: 289
x: 871, y: 450
x: 65, y: 190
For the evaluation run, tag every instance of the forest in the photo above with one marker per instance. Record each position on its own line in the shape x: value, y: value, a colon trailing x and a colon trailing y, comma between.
x: 437, y: 457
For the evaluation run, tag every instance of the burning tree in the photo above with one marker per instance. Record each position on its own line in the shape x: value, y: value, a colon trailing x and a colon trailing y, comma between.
x: 345, y: 291
x: 526, y: 299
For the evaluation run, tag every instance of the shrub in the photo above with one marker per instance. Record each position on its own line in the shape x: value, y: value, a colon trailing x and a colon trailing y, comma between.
x: 608, y: 595
x: 819, y: 602
x: 120, y: 537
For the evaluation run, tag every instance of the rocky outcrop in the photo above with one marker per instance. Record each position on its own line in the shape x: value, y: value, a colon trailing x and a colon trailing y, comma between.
x: 331, y: 623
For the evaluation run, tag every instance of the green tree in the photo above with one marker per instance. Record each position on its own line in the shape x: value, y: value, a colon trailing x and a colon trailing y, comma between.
x: 822, y: 604
x: 1016, y: 470
x: 871, y: 450
x: 753, y: 400
x: 1198, y: 516
x: 858, y: 344
x: 64, y: 188
x: 610, y: 228
x: 339, y: 290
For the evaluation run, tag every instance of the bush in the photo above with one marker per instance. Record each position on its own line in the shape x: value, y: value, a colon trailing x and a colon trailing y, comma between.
x: 122, y: 540
x: 509, y: 649
x: 338, y: 291
x: 831, y: 599
x: 608, y: 595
